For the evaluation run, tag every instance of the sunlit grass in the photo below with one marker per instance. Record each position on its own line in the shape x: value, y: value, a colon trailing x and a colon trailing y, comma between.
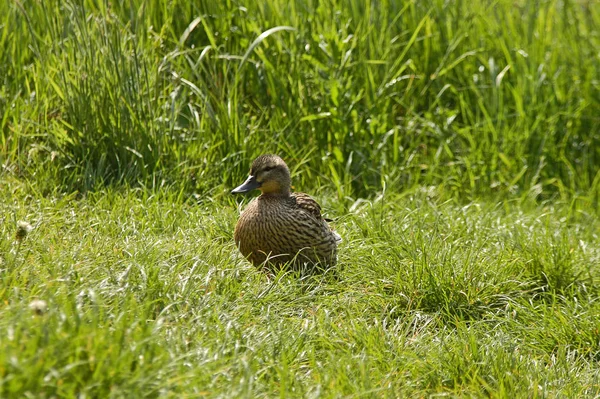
x: 149, y: 297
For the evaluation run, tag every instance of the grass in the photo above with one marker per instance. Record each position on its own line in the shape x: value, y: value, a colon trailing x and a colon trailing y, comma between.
x: 454, y: 143
x: 483, y: 99
x: 148, y: 297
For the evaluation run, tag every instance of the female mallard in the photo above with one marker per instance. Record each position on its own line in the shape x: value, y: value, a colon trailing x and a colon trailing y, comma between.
x: 280, y: 226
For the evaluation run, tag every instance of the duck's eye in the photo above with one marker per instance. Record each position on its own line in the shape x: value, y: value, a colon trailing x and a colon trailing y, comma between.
x: 268, y: 168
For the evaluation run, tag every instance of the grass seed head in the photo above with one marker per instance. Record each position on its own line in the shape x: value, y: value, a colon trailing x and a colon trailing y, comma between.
x: 23, y: 228
x: 38, y: 306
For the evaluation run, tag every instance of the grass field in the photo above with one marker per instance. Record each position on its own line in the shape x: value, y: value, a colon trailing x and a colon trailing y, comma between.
x: 456, y: 144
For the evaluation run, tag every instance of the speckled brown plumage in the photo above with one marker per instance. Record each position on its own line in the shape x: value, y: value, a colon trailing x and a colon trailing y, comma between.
x: 280, y: 226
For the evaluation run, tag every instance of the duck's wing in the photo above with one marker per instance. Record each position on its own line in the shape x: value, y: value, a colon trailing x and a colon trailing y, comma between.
x: 312, y: 207
x: 306, y: 203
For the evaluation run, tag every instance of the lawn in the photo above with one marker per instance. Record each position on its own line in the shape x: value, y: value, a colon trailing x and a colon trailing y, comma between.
x: 456, y: 146
x: 149, y: 297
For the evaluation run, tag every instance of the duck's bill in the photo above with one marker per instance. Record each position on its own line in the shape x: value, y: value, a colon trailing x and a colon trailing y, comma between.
x: 249, y: 185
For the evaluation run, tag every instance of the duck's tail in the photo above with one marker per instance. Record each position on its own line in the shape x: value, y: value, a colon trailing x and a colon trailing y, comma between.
x: 338, y: 238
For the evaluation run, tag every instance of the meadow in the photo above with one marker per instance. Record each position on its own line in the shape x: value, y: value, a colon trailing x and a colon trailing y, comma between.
x: 455, y: 144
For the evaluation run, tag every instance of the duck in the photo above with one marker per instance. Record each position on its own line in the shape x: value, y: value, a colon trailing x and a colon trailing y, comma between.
x: 280, y: 227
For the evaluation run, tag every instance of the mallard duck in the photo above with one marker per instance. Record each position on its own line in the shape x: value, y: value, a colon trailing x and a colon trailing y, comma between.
x: 280, y: 226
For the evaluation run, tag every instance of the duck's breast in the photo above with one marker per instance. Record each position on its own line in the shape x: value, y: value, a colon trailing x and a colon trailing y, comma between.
x: 278, y: 227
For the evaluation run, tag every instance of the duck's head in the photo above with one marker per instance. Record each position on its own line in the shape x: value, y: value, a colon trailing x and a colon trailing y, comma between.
x: 269, y: 174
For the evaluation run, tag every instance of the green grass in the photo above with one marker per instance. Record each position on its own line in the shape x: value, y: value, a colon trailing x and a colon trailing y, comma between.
x: 455, y: 143
x: 480, y: 98
x: 149, y: 297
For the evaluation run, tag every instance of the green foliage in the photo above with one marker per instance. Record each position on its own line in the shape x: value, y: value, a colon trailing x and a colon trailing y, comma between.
x: 478, y: 98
